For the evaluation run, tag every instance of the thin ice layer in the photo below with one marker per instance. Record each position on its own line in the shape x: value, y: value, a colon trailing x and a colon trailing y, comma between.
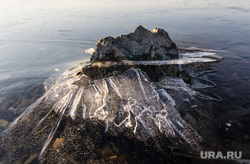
x: 128, y: 101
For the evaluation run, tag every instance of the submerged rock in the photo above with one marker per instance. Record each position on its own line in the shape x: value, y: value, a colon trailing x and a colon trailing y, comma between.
x: 142, y: 44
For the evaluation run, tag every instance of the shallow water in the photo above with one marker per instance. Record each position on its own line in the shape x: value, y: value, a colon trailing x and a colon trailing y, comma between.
x: 39, y: 36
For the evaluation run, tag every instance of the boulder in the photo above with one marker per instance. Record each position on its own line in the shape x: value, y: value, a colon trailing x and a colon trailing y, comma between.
x: 142, y: 44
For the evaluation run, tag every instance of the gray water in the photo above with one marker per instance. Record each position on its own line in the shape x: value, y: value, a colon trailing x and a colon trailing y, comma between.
x: 37, y: 37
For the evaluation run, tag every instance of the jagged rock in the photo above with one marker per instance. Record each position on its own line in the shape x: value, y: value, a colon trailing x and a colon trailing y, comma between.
x: 142, y: 44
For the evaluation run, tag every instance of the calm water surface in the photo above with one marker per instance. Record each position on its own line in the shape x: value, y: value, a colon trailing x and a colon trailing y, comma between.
x: 36, y: 37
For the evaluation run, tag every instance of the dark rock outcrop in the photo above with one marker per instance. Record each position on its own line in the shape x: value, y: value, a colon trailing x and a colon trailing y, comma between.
x: 142, y: 44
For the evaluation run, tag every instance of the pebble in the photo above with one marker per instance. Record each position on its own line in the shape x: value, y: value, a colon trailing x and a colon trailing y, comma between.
x: 59, y: 142
x: 12, y: 109
x: 3, y: 123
